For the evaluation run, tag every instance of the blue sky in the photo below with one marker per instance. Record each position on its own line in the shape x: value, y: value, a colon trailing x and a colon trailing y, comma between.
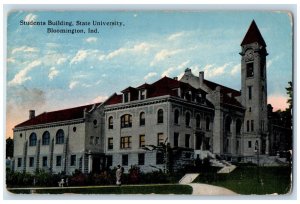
x: 47, y: 72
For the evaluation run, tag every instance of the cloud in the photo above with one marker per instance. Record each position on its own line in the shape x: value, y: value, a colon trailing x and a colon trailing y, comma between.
x: 91, y: 39
x: 163, y: 54
x: 24, y: 49
x: 138, y: 48
x: 212, y: 71
x: 175, y: 36
x: 53, y: 72
x: 150, y: 75
x: 236, y: 69
x: 52, y: 45
x: 30, y: 17
x: 61, y: 60
x: 170, y: 70
x: 73, y: 84
x: 21, y: 76
x: 99, y: 99
x: 81, y: 55
x: 10, y: 60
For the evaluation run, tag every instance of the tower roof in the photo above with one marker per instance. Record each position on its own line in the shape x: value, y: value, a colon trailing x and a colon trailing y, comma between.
x: 253, y: 35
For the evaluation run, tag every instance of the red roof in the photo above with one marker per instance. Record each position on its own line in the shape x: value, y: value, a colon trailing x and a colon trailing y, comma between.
x: 56, y: 116
x: 253, y: 35
x: 164, y: 86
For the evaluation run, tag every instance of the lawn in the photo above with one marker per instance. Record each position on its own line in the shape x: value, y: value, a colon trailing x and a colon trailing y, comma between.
x: 251, y: 180
x: 144, y: 189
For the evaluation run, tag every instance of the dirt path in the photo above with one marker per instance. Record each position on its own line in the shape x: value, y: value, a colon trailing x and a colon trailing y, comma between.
x: 205, y: 189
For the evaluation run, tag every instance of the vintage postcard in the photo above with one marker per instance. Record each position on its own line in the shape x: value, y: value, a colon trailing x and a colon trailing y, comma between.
x: 149, y: 102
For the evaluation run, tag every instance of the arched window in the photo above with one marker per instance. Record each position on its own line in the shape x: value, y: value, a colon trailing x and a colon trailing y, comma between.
x: 198, y: 121
x: 228, y: 124
x: 238, y: 126
x: 110, y: 122
x: 187, y: 119
x: 32, y: 139
x: 160, y: 116
x: 142, y: 118
x: 60, y: 135
x: 46, y: 138
x: 126, y: 121
x: 207, y: 125
x: 176, y: 116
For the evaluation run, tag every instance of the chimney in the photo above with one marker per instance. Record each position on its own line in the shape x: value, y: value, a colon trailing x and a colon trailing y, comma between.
x: 188, y: 71
x: 201, y: 77
x: 175, y: 78
x: 31, y: 114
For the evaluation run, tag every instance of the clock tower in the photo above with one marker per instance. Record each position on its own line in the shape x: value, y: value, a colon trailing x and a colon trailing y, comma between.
x: 254, y: 92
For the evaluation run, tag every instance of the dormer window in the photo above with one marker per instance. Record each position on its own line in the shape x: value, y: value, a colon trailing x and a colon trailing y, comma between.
x: 126, y: 97
x: 142, y: 94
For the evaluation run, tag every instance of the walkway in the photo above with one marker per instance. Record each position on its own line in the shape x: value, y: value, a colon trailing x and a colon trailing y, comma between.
x: 205, y: 189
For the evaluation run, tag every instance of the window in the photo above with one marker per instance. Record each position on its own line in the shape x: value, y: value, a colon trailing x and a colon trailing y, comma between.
x: 110, y: 143
x: 176, y: 138
x: 187, y: 119
x: 250, y: 71
x: 198, y: 121
x: 142, y: 140
x: 250, y: 109
x: 73, y: 160
x: 143, y: 94
x: 176, y: 116
x: 262, y: 125
x: 45, y: 161
x: 248, y: 126
x: 160, y: 116
x: 95, y: 122
x: 46, y: 138
x: 250, y: 92
x: 252, y: 125
x: 19, y: 162
x: 238, y: 126
x: 125, y: 142
x: 126, y: 121
x: 160, y: 139
x: 207, y: 123
x: 228, y: 121
x: 109, y: 160
x: 141, y: 158
x: 126, y: 97
x: 110, y: 122
x: 74, y: 129
x: 58, y: 160
x: 32, y: 139
x: 91, y: 140
x: 142, y: 118
x: 159, y: 158
x: 31, y: 161
x: 97, y: 142
x: 60, y: 136
x: 125, y: 159
x: 249, y: 144
x: 187, y: 140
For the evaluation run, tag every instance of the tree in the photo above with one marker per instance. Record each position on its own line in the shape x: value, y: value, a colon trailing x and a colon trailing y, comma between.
x: 9, y: 147
x: 289, y: 91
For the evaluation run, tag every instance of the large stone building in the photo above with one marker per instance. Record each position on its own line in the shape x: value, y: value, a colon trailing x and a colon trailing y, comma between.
x: 192, y: 112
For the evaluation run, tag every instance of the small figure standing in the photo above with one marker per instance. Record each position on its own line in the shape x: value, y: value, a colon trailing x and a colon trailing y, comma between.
x: 119, y: 175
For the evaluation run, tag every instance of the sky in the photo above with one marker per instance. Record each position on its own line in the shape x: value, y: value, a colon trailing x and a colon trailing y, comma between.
x: 52, y: 71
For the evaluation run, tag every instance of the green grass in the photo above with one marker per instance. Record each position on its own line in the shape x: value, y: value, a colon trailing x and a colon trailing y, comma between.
x: 156, y: 189
x: 250, y: 180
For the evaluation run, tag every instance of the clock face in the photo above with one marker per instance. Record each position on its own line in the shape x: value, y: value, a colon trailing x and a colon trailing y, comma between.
x: 249, y: 54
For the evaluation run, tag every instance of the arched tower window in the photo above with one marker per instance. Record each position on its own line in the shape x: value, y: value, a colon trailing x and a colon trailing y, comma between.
x: 60, y: 136
x: 32, y: 139
x: 188, y: 119
x: 160, y: 116
x: 142, y: 118
x: 176, y: 116
x: 110, y: 122
x: 46, y: 138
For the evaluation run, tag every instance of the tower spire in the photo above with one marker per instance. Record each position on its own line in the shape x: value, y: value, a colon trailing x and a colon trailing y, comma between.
x: 253, y: 35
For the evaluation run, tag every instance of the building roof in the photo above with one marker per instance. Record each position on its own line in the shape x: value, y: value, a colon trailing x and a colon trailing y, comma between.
x: 57, y: 116
x: 253, y: 35
x: 164, y: 86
